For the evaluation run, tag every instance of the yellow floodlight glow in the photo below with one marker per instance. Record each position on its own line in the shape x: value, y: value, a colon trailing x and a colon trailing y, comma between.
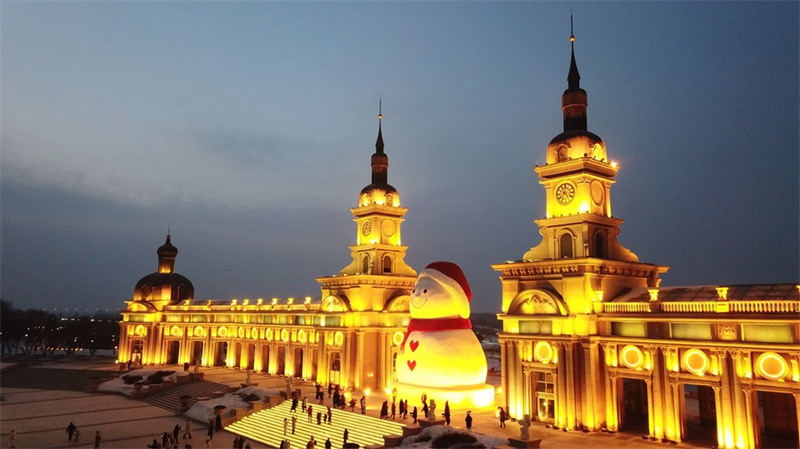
x: 632, y: 357
x: 290, y: 300
x: 308, y: 300
x: 614, y: 164
x: 543, y: 352
x: 772, y: 366
x: 274, y: 301
x: 695, y: 361
x: 367, y: 392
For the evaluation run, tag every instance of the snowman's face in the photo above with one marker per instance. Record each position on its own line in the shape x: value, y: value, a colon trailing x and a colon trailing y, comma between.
x: 431, y: 299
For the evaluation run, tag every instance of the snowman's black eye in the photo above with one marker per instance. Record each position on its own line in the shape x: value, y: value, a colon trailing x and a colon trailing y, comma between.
x: 425, y: 291
x: 414, y: 290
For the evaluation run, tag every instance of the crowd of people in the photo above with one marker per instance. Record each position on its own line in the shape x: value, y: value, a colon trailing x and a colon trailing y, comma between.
x: 397, y: 410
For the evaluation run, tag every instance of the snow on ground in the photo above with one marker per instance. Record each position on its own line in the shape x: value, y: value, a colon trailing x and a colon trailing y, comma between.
x: 429, y: 434
x: 118, y: 385
x: 203, y: 411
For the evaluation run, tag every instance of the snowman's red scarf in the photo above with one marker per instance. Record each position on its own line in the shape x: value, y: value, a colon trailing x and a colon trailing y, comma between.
x: 435, y: 324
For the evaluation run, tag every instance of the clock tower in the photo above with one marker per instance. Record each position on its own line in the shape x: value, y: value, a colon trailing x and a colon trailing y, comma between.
x: 369, y: 297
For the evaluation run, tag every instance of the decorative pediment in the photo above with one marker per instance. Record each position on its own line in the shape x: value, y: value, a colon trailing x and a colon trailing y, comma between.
x: 537, y: 302
x: 140, y: 306
x: 397, y: 303
x: 334, y: 304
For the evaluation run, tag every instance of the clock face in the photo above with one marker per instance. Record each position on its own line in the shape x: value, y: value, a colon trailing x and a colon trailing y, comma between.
x: 366, y: 228
x: 565, y: 193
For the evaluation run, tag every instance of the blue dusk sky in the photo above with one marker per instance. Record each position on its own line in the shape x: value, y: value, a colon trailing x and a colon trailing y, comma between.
x: 247, y: 129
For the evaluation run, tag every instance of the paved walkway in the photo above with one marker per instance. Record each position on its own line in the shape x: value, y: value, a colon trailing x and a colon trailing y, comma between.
x: 39, y: 402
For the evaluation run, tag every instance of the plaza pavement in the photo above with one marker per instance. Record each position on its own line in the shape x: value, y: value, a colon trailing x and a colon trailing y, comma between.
x: 40, y: 399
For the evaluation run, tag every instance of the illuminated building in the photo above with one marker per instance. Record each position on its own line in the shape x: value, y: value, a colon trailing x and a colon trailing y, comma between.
x: 348, y: 336
x: 591, y: 342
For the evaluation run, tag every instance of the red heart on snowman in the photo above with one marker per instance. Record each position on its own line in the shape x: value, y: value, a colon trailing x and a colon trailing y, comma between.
x: 412, y: 364
x: 413, y: 345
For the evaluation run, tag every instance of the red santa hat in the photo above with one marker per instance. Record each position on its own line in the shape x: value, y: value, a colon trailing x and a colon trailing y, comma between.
x: 450, y: 275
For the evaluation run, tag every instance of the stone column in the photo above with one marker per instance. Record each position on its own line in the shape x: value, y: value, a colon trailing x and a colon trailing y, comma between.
x: 504, y: 370
x: 359, y: 365
x: 674, y: 411
x: 726, y: 405
x: 657, y: 392
x: 383, y: 376
x: 570, y: 365
x: 561, y: 377
x: 651, y: 422
x: 750, y: 419
x: 720, y: 415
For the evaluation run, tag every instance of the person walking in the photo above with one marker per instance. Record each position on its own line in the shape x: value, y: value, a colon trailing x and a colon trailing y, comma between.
x: 414, y: 414
x: 345, y: 436
x: 330, y: 415
x: 425, y: 409
x: 384, y: 410
x: 97, y: 440
x: 502, y: 417
x: 363, y: 404
x: 328, y: 444
x: 294, y: 423
x: 210, y: 429
x: 175, y: 432
x: 394, y: 409
x: 187, y: 430
x: 310, y: 411
x: 305, y: 404
x: 218, y: 426
x: 70, y: 431
x: 319, y: 418
x: 285, y: 425
x: 447, y: 412
x: 468, y: 420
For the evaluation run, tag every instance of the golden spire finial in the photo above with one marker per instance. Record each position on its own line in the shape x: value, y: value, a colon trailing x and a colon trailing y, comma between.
x: 380, y: 107
x: 571, y: 31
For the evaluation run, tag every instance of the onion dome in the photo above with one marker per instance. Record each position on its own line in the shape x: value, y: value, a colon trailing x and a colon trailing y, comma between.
x: 379, y: 191
x: 164, y: 286
x: 576, y: 141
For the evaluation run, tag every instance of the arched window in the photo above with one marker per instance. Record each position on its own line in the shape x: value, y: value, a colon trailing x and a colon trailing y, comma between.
x: 387, y: 264
x: 565, y: 243
x: 365, y: 265
x: 600, y: 246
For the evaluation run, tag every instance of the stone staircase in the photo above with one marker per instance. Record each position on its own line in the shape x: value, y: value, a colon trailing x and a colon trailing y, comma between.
x: 169, y: 399
x: 266, y: 427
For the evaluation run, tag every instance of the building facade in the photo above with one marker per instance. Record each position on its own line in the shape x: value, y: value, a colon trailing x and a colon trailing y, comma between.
x: 591, y: 342
x: 350, y: 335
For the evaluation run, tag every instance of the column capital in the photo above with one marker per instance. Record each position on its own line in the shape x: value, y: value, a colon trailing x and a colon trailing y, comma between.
x: 721, y: 353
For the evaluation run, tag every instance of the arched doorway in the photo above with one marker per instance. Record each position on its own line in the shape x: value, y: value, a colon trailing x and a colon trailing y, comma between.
x: 298, y: 362
x: 633, y: 416
x: 173, y: 350
x: 281, y: 361
x: 335, y: 368
x: 237, y: 355
x: 221, y: 354
x: 251, y: 355
x: 197, y: 352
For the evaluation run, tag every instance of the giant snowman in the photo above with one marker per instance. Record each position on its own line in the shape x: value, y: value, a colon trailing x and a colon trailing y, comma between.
x: 440, y: 355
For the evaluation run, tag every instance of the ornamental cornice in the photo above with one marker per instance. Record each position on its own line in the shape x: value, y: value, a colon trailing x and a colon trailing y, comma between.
x: 576, y: 266
x: 361, y: 279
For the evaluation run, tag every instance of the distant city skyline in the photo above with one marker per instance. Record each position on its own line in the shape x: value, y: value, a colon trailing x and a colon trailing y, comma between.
x: 247, y: 129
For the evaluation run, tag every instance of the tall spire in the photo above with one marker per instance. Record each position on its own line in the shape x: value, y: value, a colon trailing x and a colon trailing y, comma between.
x: 574, y: 78
x: 379, y: 142
x: 573, y: 102
x: 380, y: 161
